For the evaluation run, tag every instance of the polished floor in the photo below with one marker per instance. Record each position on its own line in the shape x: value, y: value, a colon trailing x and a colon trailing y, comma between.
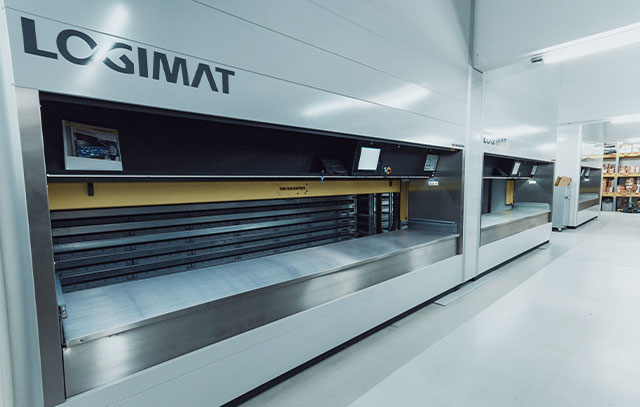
x: 559, y: 326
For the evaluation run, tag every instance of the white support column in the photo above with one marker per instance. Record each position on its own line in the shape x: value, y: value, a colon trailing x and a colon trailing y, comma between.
x: 567, y: 165
x: 6, y: 382
x: 21, y: 380
x: 473, y: 160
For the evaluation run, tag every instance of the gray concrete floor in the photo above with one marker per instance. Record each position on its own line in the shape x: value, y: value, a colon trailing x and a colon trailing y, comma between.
x: 559, y: 326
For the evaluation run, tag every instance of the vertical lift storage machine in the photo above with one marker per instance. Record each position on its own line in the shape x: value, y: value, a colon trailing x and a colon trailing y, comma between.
x: 157, y: 233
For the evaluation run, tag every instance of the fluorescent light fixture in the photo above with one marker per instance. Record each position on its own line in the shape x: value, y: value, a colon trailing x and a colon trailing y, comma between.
x: 626, y: 119
x: 591, y: 45
x: 532, y: 181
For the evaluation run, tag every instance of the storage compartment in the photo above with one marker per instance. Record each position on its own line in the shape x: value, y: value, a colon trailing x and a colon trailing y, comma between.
x: 517, y: 196
x: 210, y: 227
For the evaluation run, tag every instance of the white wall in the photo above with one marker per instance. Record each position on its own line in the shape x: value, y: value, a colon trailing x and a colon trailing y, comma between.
x: 601, y: 86
x: 521, y: 106
x: 622, y: 132
x: 592, y: 147
x: 6, y: 381
x: 509, y: 30
x: 391, y: 70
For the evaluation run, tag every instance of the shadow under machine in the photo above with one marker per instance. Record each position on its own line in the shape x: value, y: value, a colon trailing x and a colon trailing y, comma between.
x: 168, y: 232
x: 517, y: 198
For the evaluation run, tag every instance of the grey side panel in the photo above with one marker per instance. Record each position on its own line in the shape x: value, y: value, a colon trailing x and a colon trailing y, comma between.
x: 447, y: 193
x: 593, y: 183
x: 49, y: 333
x: 541, y: 191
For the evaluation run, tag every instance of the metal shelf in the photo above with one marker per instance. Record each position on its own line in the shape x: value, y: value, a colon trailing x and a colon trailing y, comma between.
x: 620, y: 155
x: 621, y: 175
x: 618, y: 195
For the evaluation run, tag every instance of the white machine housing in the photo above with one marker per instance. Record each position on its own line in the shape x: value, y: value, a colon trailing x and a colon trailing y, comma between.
x: 265, y: 69
x: 580, y: 151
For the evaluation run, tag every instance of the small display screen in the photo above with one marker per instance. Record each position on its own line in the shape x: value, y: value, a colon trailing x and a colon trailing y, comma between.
x: 369, y: 157
x: 587, y: 172
x: 516, y: 168
x: 582, y: 173
x: 92, y: 148
x: 432, y: 162
x: 534, y: 169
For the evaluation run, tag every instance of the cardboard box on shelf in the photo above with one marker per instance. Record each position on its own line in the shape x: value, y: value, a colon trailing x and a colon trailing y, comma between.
x: 609, y: 168
x: 608, y: 186
x: 626, y: 148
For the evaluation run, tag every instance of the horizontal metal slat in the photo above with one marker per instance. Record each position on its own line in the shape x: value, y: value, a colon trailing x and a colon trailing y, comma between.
x: 160, y: 209
x: 66, y: 247
x: 103, y: 246
x: 125, y: 226
x: 177, y: 246
x: 67, y: 278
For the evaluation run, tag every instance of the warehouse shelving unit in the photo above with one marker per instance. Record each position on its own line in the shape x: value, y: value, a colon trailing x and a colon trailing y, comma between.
x: 619, y: 160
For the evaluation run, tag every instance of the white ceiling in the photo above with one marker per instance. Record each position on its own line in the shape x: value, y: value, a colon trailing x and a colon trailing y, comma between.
x: 506, y: 31
x: 592, y: 88
x: 627, y: 132
x: 601, y: 86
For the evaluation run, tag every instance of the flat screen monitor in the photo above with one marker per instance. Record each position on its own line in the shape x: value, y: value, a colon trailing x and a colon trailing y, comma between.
x: 516, y: 168
x: 582, y: 173
x: 369, y: 158
x: 534, y: 169
x: 587, y: 172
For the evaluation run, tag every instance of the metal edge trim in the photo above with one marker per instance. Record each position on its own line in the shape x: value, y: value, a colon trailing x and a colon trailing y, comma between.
x: 514, y: 220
